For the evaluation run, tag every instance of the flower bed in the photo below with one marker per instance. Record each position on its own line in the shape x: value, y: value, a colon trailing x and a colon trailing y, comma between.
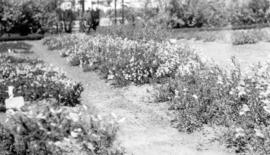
x: 203, y: 94
x: 34, y: 80
x: 244, y: 37
x: 4, y: 47
x: 46, y: 128
x: 46, y: 124
x: 120, y: 59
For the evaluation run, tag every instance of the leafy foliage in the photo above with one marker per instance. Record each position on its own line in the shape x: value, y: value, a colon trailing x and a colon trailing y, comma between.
x: 25, y: 17
x: 244, y: 37
x: 196, y: 13
x: 204, y: 94
x: 46, y: 128
x: 45, y: 125
x: 121, y: 60
x: 35, y: 81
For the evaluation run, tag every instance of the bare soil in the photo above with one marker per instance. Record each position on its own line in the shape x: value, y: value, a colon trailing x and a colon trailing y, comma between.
x: 147, y: 129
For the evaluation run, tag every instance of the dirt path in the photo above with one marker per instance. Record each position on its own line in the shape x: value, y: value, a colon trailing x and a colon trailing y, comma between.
x: 147, y: 130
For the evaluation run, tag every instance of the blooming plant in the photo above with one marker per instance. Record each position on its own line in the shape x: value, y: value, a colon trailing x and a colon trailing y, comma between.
x: 244, y: 37
x: 120, y: 59
x: 36, y: 81
x: 50, y: 129
x: 203, y: 94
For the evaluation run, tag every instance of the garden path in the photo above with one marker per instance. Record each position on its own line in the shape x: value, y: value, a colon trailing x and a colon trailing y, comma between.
x: 147, y: 129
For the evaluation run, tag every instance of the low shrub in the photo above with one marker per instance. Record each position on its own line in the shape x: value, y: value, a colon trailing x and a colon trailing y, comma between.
x: 4, y: 47
x: 198, y: 94
x: 45, y: 128
x: 204, y: 94
x: 34, y: 80
x: 120, y: 59
x: 244, y: 37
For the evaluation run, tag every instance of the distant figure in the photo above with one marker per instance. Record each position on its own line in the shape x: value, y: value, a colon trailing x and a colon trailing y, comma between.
x: 91, y: 20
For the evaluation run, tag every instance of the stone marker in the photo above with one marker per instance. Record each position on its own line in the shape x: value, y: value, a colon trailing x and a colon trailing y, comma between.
x: 14, y: 102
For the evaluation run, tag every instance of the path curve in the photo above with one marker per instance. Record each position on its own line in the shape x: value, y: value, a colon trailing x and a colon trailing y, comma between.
x: 147, y: 130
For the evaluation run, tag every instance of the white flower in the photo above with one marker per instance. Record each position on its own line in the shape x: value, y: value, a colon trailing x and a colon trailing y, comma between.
x: 173, y: 41
x: 267, y: 108
x: 121, y: 120
x: 41, y: 116
x: 99, y: 117
x: 74, y: 117
x: 58, y: 143
x: 85, y: 107
x: 239, y: 132
x: 10, y: 112
x: 195, y: 97
x: 244, y: 109
x: 259, y: 133
x: 90, y: 146
x: 241, y: 91
x: 267, y: 102
x: 114, y: 115
x: 74, y: 134
x: 110, y: 77
x: 219, y: 80
x: 78, y: 130
x: 56, y: 111
x: 176, y: 93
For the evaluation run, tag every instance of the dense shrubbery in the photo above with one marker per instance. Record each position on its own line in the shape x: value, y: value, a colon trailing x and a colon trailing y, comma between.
x: 45, y: 124
x: 45, y: 128
x: 196, y: 13
x: 35, y: 81
x: 202, y: 93
x: 19, y: 17
x: 244, y: 37
x: 30, y: 16
x: 120, y: 59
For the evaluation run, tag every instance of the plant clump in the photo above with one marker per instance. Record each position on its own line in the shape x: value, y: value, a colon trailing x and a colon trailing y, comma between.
x: 36, y: 81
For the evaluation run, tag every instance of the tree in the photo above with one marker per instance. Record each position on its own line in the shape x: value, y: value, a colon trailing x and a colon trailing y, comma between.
x: 28, y: 16
x: 9, y: 14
